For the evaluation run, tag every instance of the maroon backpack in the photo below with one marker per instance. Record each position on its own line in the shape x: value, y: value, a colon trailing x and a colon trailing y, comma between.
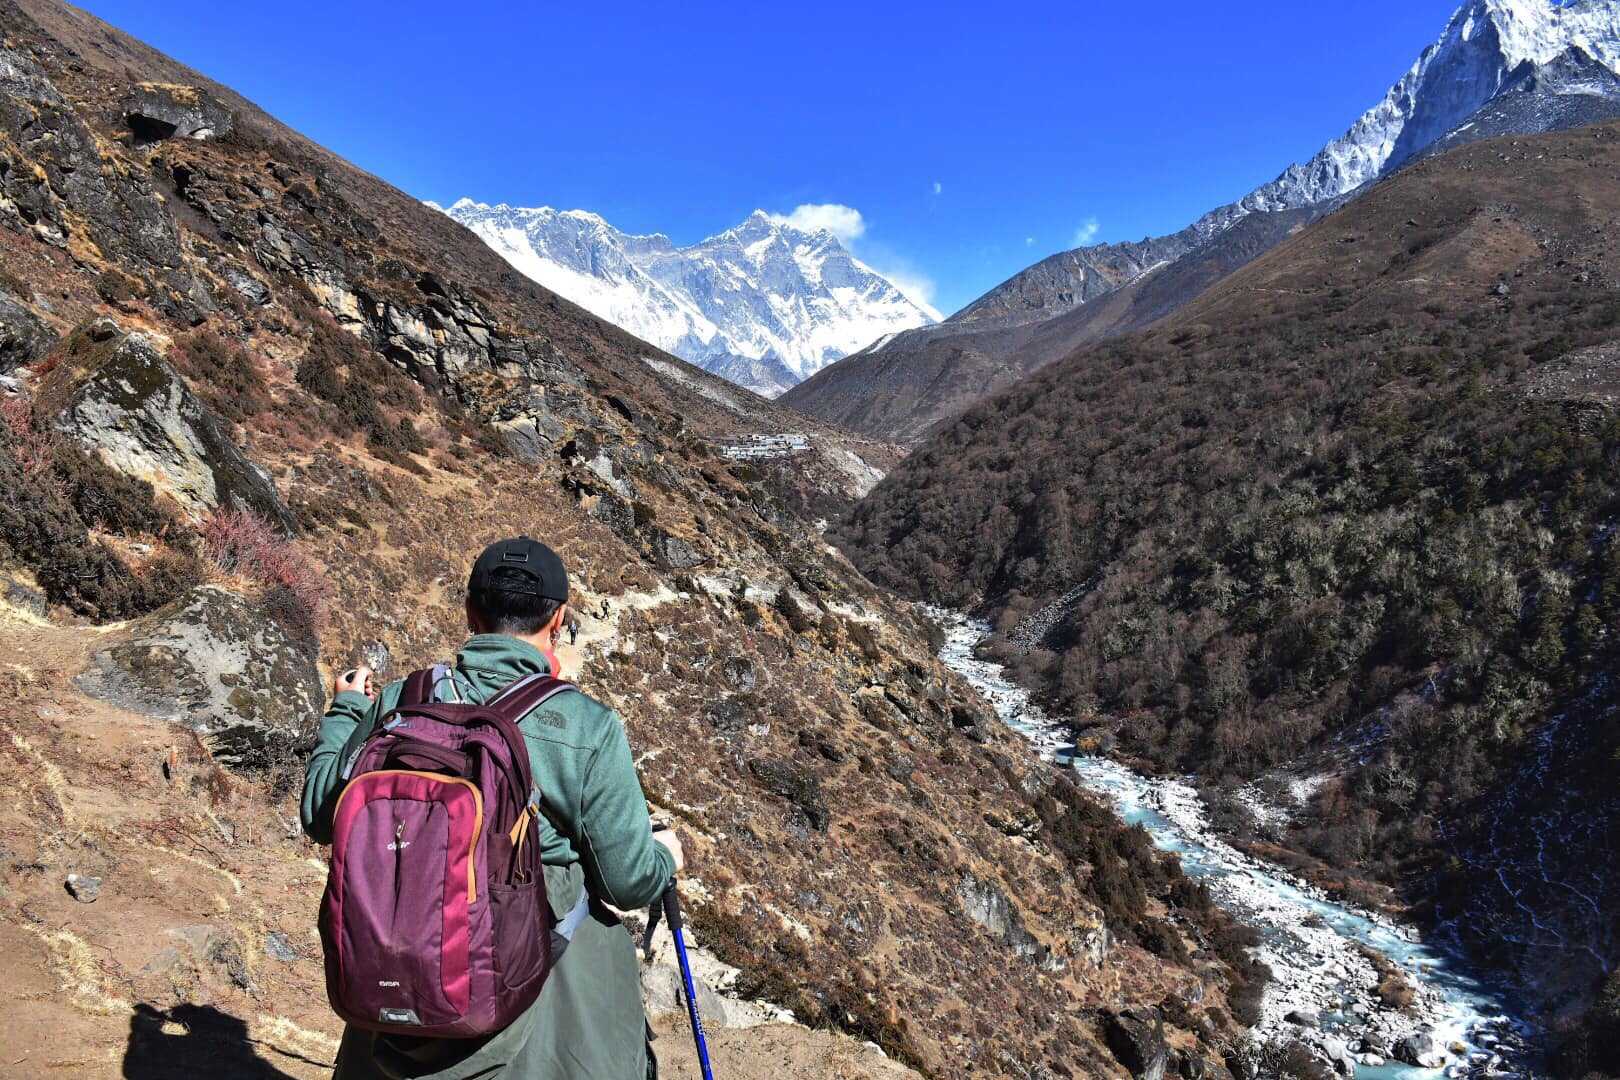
x: 435, y: 920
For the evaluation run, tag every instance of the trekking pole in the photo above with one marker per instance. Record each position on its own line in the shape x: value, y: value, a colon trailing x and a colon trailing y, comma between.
x: 672, y: 914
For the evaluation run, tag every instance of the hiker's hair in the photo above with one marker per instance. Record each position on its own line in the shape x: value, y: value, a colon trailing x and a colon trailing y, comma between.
x: 507, y: 612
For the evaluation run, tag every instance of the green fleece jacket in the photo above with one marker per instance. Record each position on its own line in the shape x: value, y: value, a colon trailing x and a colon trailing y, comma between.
x: 588, y: 1023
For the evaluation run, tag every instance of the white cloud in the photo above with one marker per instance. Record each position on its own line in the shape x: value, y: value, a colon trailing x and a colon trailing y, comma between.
x: 844, y: 222
x: 1086, y: 233
x: 847, y: 224
x: 1029, y: 241
x: 938, y: 187
x: 917, y: 288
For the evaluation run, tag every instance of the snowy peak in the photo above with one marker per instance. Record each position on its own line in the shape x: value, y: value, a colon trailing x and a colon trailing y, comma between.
x: 1484, y: 45
x: 766, y: 303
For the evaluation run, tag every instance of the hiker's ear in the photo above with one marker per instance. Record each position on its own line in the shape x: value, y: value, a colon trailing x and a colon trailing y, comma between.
x: 472, y: 619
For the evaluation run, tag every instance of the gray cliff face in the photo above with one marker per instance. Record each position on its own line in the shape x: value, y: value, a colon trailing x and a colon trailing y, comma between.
x: 217, y: 664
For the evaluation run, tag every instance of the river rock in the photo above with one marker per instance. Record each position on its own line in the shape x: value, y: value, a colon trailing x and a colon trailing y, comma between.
x: 142, y: 418
x: 218, y: 664
x: 1338, y: 1054
x: 1136, y: 1038
x: 1421, y: 1050
x: 24, y: 336
x: 1304, y: 1018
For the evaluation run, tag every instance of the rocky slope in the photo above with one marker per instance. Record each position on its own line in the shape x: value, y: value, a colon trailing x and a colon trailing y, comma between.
x: 1500, y: 67
x: 260, y: 409
x: 765, y: 305
x: 1343, y: 522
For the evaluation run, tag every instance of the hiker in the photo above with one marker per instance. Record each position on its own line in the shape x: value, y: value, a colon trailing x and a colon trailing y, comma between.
x: 573, y: 629
x: 597, y: 844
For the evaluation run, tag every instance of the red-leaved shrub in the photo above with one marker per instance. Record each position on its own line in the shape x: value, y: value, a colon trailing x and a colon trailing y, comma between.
x: 32, y: 447
x: 241, y: 542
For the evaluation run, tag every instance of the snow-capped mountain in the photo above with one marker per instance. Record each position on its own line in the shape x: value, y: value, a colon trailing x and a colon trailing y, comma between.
x: 764, y: 304
x: 1482, y: 51
x: 1500, y: 67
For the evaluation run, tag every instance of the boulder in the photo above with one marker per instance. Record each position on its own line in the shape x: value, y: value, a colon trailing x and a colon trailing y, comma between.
x: 216, y: 663
x: 55, y: 170
x: 1421, y: 1050
x: 664, y: 996
x: 24, y: 336
x: 277, y: 947
x: 141, y: 417
x: 988, y: 906
x: 796, y: 785
x: 86, y: 890
x: 1136, y: 1038
x: 158, y: 111
x: 674, y: 552
x: 728, y: 715
x: 1339, y: 1056
x: 1305, y: 1018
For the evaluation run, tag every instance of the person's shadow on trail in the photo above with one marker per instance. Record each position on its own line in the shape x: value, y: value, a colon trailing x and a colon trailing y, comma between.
x: 200, y: 1041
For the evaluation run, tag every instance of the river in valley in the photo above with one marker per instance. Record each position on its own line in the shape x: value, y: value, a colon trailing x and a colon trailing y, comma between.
x: 1316, y: 947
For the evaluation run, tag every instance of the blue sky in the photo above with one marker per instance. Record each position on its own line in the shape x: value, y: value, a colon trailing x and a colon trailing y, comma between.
x: 971, y: 139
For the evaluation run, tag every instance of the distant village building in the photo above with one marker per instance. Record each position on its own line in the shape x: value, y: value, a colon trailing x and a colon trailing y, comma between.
x: 766, y: 446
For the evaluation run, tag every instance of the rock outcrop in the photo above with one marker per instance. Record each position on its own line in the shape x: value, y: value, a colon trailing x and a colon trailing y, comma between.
x: 156, y: 112
x: 55, y: 184
x: 216, y: 663
x: 139, y: 415
x: 1136, y: 1037
x: 24, y: 336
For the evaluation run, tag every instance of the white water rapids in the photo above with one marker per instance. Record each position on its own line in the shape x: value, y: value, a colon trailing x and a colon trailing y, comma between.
x: 1310, y: 942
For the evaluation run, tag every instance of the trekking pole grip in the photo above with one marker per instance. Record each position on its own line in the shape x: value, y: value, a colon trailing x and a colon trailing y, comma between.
x: 672, y: 907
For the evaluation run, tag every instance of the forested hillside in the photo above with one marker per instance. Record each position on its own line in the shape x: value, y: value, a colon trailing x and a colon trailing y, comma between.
x: 1353, y: 506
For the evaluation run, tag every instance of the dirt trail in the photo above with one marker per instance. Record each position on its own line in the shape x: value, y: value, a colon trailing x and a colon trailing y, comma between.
x: 200, y: 957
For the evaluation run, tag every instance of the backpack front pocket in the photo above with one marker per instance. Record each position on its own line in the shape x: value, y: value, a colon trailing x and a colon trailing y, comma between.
x: 404, y: 847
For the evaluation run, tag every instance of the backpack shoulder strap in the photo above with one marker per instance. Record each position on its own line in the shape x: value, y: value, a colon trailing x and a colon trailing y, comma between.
x: 418, y: 689
x: 527, y: 694
x: 422, y: 687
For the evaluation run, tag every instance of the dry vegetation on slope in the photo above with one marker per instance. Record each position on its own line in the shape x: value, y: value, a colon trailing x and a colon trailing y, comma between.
x: 1351, y: 511
x: 872, y: 850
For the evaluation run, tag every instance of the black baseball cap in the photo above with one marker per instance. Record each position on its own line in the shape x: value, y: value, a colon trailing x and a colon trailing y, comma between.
x: 539, y: 563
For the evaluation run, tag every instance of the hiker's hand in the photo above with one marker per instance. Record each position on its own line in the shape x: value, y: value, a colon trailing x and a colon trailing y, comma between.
x: 666, y: 836
x: 358, y: 680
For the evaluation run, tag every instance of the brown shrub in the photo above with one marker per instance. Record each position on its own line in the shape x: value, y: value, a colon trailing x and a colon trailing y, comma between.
x: 295, y: 593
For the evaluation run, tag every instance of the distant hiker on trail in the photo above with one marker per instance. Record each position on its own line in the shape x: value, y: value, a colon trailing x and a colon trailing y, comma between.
x: 431, y: 898
x: 573, y: 629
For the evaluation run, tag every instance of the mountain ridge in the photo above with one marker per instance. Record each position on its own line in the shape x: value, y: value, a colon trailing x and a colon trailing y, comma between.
x: 764, y: 299
x: 1480, y: 58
